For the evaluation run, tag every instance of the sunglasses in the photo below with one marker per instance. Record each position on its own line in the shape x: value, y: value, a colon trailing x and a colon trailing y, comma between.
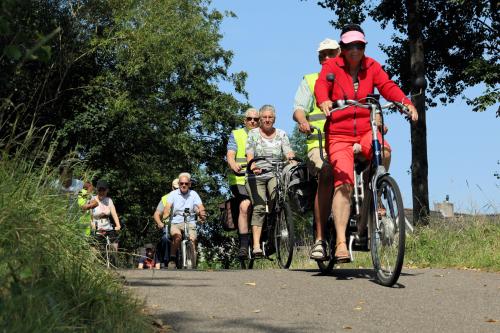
x: 182, y: 183
x: 252, y: 118
x: 329, y: 53
x: 352, y: 46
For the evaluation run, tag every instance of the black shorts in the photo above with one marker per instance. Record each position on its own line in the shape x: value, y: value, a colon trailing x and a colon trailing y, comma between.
x: 239, y: 192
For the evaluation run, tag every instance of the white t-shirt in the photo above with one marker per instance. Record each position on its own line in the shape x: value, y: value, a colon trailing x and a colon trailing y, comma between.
x: 181, y: 201
x: 104, y: 208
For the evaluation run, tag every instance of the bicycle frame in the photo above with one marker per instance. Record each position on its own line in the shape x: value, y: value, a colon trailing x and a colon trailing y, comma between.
x: 375, y: 168
x: 186, y: 214
x: 104, y: 234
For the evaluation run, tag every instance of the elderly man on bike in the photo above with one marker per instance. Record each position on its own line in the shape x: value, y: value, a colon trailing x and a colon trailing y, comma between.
x: 272, y: 143
x: 179, y: 200
x: 236, y: 160
x: 354, y: 77
x: 306, y: 114
x: 161, y: 253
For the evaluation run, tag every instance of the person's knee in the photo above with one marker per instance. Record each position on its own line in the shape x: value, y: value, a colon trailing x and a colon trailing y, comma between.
x: 176, y: 236
x: 244, y: 206
x: 344, y: 189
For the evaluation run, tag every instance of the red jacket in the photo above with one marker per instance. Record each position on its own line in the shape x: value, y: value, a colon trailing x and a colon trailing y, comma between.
x: 353, y: 120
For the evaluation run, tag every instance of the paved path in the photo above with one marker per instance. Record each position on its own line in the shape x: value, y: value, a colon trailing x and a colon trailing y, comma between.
x: 303, y: 301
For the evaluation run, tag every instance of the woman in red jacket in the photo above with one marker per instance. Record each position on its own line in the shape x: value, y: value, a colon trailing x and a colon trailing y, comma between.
x: 356, y: 76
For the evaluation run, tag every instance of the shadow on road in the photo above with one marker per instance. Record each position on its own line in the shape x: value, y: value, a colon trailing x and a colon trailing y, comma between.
x: 187, y: 322
x: 154, y: 283
x: 350, y: 274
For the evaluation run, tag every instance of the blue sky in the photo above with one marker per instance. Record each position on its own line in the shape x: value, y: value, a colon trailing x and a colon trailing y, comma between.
x: 275, y: 42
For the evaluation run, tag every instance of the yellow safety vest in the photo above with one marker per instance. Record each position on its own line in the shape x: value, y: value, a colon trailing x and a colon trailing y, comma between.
x: 86, y: 219
x: 164, y: 199
x: 316, y: 117
x: 240, y: 136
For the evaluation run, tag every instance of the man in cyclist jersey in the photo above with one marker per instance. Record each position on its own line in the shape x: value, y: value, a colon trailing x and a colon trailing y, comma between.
x: 236, y: 160
x: 161, y: 253
x: 307, y: 114
x: 177, y: 202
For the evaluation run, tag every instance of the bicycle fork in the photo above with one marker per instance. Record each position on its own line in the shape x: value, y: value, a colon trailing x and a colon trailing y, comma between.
x: 184, y: 251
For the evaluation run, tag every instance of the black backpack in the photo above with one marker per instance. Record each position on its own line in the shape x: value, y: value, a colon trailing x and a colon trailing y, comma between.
x: 300, y: 187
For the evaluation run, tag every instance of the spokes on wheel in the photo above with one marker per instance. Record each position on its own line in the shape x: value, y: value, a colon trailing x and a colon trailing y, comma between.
x: 284, y: 236
x: 388, y: 237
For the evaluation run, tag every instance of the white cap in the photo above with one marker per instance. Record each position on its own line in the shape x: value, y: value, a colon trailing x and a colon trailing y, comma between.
x: 328, y: 44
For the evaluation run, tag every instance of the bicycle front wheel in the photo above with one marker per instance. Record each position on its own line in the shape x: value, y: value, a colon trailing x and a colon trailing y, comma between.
x: 326, y: 266
x: 388, y: 238
x: 191, y: 262
x: 284, y: 239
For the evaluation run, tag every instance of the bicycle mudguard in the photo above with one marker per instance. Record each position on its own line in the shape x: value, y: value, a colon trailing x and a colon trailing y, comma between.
x: 379, y: 173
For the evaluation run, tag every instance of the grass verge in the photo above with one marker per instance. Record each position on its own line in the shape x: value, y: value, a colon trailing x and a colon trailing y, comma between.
x: 50, y: 279
x: 464, y: 242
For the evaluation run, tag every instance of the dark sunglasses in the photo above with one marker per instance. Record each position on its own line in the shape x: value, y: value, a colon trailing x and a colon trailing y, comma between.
x: 182, y: 183
x: 352, y: 46
x: 251, y: 118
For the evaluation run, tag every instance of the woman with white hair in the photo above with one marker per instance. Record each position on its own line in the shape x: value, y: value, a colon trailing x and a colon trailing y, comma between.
x: 272, y: 143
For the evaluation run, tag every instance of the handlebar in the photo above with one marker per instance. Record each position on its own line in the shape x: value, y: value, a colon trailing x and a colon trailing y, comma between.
x: 268, y: 159
x: 342, y: 104
x: 243, y: 167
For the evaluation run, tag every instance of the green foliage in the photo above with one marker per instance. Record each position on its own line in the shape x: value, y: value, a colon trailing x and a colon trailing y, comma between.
x: 51, y: 280
x: 298, y: 142
x: 128, y: 88
x: 460, y: 41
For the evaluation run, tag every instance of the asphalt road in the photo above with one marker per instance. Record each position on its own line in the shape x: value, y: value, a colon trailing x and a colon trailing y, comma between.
x: 304, y: 301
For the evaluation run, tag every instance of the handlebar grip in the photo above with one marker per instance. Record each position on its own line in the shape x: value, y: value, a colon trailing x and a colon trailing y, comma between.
x: 404, y: 109
x: 252, y: 161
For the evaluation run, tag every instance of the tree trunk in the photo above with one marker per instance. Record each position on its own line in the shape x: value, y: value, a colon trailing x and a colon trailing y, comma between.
x: 419, y: 166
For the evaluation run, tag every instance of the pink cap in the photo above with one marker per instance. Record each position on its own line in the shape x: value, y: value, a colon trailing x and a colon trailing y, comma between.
x: 352, y: 36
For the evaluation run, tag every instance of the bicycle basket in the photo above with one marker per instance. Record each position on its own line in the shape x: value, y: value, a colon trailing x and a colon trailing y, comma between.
x: 300, y: 186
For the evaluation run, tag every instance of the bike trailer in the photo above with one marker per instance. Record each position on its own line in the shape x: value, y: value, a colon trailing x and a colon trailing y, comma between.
x: 300, y: 186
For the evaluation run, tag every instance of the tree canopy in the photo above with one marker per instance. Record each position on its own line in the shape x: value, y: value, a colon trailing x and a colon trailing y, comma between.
x: 460, y: 41
x: 129, y: 88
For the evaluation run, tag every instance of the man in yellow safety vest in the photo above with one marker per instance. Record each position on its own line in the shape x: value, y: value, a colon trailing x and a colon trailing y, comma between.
x: 307, y: 114
x: 236, y: 160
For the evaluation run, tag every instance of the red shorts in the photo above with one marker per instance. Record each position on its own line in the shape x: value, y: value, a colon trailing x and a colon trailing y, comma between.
x: 341, y: 156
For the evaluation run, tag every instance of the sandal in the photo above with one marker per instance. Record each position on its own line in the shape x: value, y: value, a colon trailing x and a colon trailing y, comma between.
x: 341, y: 253
x: 318, y: 251
x: 257, y: 252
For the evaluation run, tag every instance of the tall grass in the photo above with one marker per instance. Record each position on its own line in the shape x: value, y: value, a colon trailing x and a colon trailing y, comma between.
x: 471, y: 241
x: 467, y: 241
x: 50, y: 279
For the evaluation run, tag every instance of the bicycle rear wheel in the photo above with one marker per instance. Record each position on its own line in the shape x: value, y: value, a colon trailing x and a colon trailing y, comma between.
x: 388, y: 239
x: 191, y: 262
x: 284, y: 239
